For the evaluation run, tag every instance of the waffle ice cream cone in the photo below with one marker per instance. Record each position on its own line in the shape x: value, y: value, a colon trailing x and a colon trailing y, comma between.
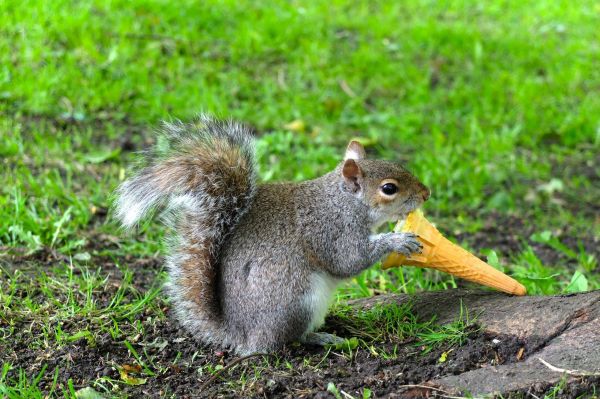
x: 441, y: 254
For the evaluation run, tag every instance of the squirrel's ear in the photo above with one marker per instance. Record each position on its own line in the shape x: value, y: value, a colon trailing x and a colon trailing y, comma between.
x: 355, y: 150
x: 352, y: 176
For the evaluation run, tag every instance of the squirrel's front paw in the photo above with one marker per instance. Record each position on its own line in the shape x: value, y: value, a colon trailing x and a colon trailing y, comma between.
x: 406, y: 243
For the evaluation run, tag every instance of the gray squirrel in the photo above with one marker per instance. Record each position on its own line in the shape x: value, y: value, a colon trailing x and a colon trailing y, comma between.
x: 254, y: 266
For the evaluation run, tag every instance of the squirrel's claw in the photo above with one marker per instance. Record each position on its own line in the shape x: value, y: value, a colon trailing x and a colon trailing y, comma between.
x: 407, y: 243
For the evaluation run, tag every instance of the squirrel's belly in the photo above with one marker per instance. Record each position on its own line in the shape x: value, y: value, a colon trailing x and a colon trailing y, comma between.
x: 318, y: 298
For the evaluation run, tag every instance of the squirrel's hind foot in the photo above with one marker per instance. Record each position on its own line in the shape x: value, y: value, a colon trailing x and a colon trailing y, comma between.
x: 322, y: 339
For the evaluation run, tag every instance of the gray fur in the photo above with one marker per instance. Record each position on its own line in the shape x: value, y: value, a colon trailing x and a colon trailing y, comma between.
x: 277, y: 250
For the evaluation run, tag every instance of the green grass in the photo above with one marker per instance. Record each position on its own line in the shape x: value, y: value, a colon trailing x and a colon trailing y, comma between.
x: 70, y: 294
x: 398, y: 324
x: 494, y: 106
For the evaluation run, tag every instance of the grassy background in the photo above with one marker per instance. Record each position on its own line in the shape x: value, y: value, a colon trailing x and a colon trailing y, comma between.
x: 495, y: 106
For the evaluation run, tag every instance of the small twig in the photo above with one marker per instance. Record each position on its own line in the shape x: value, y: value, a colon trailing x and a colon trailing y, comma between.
x: 576, y: 373
x: 347, y: 395
x: 446, y: 393
x: 281, y: 79
x: 346, y: 89
x: 424, y: 387
x: 145, y: 36
x: 350, y: 93
x: 7, y: 249
x: 229, y: 366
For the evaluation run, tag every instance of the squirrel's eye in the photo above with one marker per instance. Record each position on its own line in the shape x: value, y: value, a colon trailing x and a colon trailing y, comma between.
x: 389, y: 189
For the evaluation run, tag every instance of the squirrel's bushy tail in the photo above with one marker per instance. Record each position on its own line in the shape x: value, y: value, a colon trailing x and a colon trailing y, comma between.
x: 202, y: 175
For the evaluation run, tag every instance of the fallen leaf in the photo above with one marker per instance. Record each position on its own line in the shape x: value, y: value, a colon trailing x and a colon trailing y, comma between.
x: 132, y: 368
x: 520, y: 353
x: 124, y: 373
x: 444, y: 356
x: 297, y: 125
x: 82, y: 256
